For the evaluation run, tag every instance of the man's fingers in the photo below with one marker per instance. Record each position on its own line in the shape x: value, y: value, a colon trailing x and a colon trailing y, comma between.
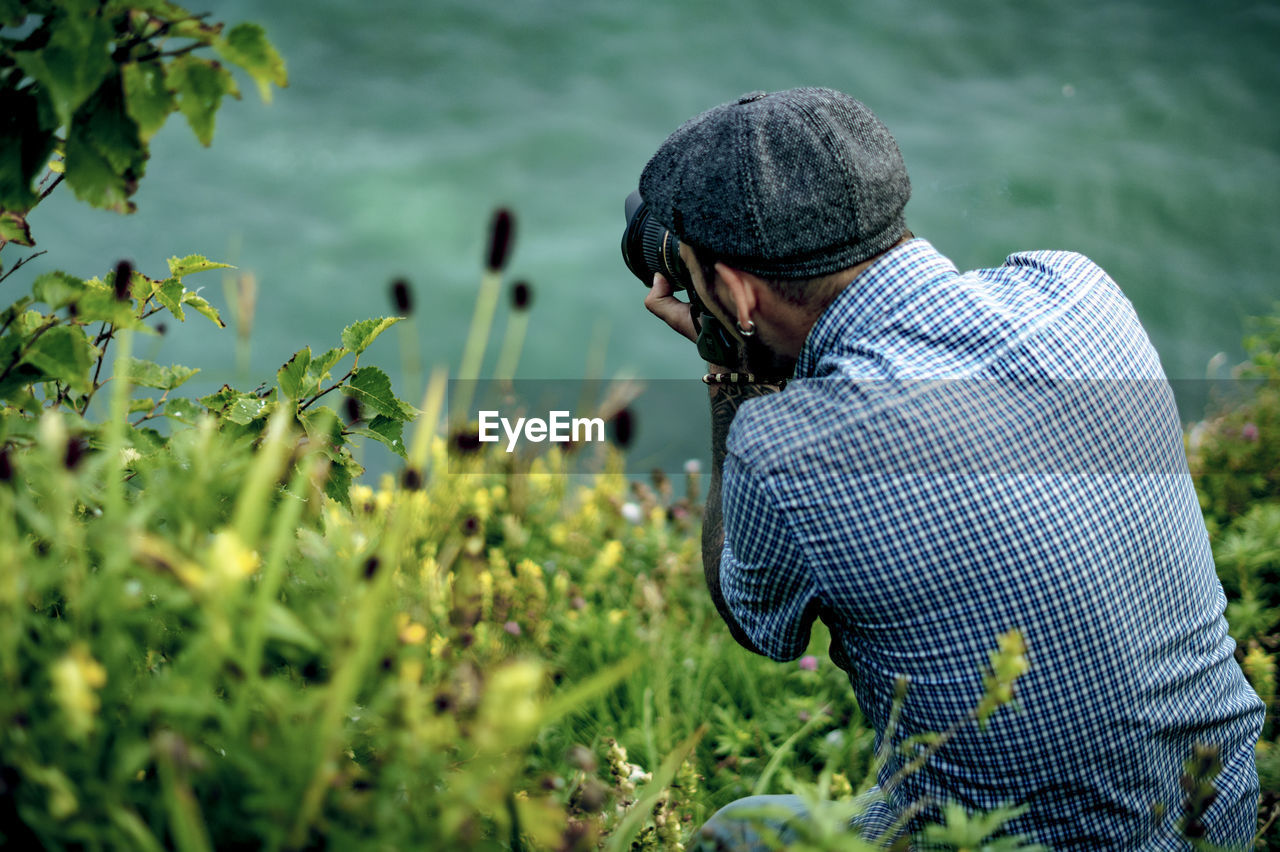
x: 663, y: 304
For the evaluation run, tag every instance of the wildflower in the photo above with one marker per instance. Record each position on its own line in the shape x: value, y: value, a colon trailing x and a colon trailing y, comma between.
x: 521, y: 296
x: 609, y: 557
x: 622, y: 426
x: 77, y: 677
x: 840, y: 786
x: 510, y: 706
x: 632, y: 513
x: 809, y: 663
x: 512, y: 627
x: 500, y: 239
x: 401, y: 296
x: 122, y: 280
x: 229, y: 559
x: 410, y: 632
x: 1249, y: 432
x: 692, y: 466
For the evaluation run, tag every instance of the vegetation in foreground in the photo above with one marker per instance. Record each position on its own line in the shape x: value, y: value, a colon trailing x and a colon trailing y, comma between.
x: 210, y: 639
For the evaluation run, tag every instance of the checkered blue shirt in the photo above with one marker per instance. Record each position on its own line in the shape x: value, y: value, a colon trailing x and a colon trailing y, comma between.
x: 963, y: 454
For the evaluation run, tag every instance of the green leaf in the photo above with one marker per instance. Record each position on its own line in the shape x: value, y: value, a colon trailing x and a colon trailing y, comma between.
x: 192, y: 263
x: 200, y: 84
x: 184, y: 411
x: 283, y: 626
x: 372, y: 388
x: 98, y: 303
x: 151, y: 375
x: 169, y: 293
x: 321, y: 366
x: 14, y: 229
x: 105, y: 155
x: 322, y: 424
x: 28, y: 142
x: 202, y: 306
x: 248, y: 409
x: 63, y: 353
x: 194, y: 28
x: 221, y: 399
x: 387, y: 431
x: 247, y: 46
x: 57, y: 289
x: 293, y: 375
x: 147, y: 97
x: 357, y: 336
x: 140, y: 404
x: 73, y: 62
x: 337, y: 485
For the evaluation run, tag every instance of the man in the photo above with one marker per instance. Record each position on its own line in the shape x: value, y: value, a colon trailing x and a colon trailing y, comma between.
x: 953, y: 456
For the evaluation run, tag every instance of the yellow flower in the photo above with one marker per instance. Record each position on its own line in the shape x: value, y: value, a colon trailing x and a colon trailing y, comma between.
x: 229, y: 559
x: 410, y: 632
x: 361, y: 494
x: 608, y: 559
x: 76, y: 678
x: 616, y: 616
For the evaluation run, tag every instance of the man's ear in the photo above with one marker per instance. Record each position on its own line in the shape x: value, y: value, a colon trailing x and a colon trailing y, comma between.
x: 744, y: 292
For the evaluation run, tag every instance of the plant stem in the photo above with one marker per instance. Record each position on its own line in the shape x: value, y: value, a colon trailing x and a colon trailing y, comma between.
x: 477, y: 340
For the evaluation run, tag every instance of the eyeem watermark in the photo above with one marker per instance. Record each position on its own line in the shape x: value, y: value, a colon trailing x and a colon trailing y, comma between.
x: 558, y: 428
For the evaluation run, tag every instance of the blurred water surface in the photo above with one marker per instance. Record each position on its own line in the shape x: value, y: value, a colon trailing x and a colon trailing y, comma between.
x: 1143, y: 133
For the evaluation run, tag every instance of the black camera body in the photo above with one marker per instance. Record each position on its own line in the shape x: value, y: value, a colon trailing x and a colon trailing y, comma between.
x: 649, y: 248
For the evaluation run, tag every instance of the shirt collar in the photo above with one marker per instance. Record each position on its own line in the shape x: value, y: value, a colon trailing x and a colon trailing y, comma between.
x: 866, y: 301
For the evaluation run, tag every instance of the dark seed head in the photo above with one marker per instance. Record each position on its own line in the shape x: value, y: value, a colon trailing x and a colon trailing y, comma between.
x: 73, y: 310
x: 74, y: 453
x: 354, y: 415
x: 500, y: 239
x: 387, y: 663
x: 371, y: 567
x: 623, y: 428
x: 124, y: 274
x: 161, y: 328
x: 470, y: 525
x: 402, y: 297
x: 521, y: 296
x: 411, y: 479
x: 6, y: 466
x: 466, y: 441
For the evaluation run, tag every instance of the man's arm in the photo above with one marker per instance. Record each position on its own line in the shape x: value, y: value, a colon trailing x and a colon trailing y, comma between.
x: 725, y: 401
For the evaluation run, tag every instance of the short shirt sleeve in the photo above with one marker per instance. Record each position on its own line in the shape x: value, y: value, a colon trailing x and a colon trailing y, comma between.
x: 765, y: 582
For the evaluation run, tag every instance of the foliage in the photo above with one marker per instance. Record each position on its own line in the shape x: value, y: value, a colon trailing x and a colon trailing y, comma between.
x: 213, y: 639
x: 1235, y: 458
x: 88, y: 86
x: 92, y: 82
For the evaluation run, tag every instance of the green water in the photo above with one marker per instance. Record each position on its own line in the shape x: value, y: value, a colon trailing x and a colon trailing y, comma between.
x: 1144, y: 134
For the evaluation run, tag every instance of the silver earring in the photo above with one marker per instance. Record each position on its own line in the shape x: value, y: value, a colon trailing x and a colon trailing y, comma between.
x: 749, y: 329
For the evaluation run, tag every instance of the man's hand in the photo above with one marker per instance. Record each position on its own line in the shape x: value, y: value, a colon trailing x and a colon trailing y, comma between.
x: 662, y: 303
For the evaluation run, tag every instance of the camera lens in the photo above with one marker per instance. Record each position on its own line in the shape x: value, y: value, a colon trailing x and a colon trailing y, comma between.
x: 647, y: 247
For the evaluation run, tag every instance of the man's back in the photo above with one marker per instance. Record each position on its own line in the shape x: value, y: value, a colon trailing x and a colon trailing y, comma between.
x: 963, y: 455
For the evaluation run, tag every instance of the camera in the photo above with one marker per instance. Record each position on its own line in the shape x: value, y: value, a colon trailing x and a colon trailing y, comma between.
x: 648, y: 247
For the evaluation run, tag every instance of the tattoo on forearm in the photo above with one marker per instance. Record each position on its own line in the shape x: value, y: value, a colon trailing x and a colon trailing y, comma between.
x: 725, y: 401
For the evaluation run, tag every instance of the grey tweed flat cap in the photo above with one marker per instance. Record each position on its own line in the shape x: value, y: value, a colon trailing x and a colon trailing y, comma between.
x: 794, y: 184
